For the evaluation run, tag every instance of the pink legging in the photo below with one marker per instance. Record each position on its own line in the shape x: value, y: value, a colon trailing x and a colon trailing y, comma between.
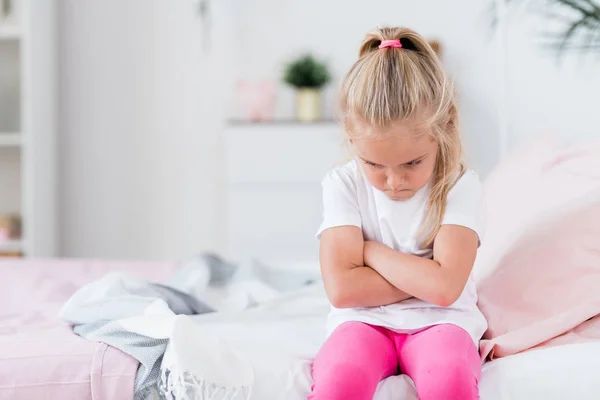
x: 442, y: 361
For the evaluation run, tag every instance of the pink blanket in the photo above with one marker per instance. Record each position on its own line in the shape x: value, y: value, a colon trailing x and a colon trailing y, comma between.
x: 538, y: 269
x: 40, y: 357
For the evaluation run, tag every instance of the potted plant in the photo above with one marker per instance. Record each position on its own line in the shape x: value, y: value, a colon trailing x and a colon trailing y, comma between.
x: 580, y: 20
x: 308, y: 75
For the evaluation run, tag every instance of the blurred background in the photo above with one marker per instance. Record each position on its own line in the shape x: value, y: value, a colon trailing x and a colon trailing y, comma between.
x: 158, y: 129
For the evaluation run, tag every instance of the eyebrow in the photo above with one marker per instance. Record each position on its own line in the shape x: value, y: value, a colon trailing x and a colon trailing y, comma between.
x: 406, y: 163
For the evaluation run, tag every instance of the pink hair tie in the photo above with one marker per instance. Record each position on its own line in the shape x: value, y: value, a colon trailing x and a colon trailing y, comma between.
x: 390, y: 43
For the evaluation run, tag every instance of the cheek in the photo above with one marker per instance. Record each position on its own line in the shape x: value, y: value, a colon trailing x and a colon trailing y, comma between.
x: 422, y: 175
x: 377, y: 178
x: 418, y: 178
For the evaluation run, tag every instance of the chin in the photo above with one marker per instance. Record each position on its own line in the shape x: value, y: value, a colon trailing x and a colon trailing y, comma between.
x: 404, y: 195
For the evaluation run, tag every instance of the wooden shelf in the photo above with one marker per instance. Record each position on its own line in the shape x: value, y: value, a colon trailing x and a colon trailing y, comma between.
x: 9, y: 32
x: 12, y: 246
x: 10, y: 139
x: 30, y: 95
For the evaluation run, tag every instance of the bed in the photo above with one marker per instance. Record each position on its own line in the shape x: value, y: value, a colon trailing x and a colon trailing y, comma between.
x: 281, y: 338
x: 41, y: 358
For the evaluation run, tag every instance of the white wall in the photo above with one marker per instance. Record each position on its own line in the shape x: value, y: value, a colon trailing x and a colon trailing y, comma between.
x: 547, y: 94
x: 544, y: 96
x: 334, y: 30
x: 141, y: 169
x: 138, y: 138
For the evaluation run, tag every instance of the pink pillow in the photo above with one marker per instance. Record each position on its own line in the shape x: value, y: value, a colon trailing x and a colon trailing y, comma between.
x: 538, y: 268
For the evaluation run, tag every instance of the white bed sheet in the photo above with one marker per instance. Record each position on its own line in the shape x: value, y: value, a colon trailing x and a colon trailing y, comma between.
x: 282, y: 337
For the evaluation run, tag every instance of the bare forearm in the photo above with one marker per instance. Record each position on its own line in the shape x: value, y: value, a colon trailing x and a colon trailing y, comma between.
x: 421, y: 277
x: 364, y: 287
x: 348, y: 282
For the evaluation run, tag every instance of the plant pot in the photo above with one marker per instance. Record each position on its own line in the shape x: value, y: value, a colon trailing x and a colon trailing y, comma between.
x: 308, y: 105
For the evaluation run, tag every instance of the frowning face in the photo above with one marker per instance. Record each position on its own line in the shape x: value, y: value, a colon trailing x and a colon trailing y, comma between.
x: 399, y: 161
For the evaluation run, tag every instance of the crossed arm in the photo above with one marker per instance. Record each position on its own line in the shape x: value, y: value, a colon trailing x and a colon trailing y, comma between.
x: 369, y: 274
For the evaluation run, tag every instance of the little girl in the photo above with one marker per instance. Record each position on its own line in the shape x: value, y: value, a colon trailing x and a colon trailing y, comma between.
x: 400, y: 232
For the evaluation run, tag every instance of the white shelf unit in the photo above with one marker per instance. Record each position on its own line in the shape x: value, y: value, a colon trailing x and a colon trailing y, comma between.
x: 10, y: 139
x: 28, y: 124
x: 10, y: 33
x: 12, y: 246
x: 272, y: 202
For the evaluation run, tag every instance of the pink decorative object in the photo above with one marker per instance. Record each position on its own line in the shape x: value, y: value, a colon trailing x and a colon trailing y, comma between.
x: 257, y: 99
x: 390, y: 43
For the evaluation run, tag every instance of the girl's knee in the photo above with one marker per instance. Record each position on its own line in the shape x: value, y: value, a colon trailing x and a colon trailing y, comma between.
x: 345, y: 381
x: 449, y: 382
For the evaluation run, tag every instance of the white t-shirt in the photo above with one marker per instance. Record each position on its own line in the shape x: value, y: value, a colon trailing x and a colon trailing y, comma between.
x: 349, y: 199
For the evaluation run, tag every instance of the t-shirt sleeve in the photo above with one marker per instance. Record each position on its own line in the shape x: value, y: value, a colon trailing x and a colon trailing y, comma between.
x: 464, y: 204
x: 340, y: 204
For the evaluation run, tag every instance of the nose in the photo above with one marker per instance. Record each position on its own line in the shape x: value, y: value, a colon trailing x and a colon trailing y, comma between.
x: 396, y: 181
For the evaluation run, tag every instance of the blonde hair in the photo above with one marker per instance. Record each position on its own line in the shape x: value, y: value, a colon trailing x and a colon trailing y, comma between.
x: 407, y: 83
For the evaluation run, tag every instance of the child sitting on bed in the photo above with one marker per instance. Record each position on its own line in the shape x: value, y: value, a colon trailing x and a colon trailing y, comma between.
x: 400, y: 232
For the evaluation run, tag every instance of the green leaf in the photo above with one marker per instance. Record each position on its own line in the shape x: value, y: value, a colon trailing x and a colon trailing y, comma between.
x: 306, y: 72
x: 581, y: 21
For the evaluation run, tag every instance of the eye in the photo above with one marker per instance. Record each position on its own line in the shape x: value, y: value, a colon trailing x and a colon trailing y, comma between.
x: 414, y: 163
x: 370, y: 164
